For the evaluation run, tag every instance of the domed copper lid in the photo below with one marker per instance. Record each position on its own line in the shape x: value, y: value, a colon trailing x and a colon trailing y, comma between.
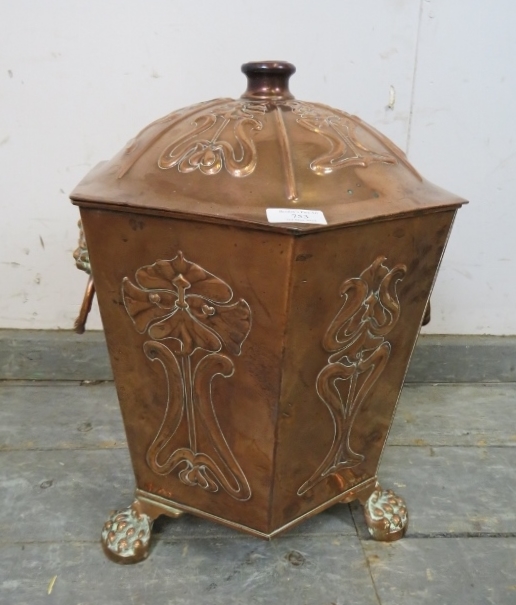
x: 230, y: 160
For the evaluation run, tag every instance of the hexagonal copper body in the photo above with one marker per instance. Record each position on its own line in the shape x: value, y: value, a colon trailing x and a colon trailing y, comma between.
x: 258, y: 363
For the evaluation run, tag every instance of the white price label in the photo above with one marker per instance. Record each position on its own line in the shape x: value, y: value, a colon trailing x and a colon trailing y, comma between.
x: 288, y: 215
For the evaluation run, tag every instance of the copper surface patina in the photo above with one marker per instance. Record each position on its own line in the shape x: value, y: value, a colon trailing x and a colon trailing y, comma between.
x: 258, y: 363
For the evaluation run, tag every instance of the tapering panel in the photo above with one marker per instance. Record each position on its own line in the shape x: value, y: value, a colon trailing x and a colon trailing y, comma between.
x: 235, y: 369
x: 355, y: 308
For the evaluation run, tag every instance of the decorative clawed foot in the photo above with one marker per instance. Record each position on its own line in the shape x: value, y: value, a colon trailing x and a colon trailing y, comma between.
x: 386, y: 515
x: 126, y: 535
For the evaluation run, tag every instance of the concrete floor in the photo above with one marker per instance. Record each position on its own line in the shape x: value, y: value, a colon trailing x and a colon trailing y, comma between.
x: 452, y: 455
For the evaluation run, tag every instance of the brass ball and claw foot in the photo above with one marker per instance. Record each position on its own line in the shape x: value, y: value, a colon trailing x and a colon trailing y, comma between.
x: 386, y: 515
x: 126, y: 535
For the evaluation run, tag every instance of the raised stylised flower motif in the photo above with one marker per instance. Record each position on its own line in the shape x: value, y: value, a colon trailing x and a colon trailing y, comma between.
x: 359, y: 354
x: 221, y: 138
x: 370, y: 310
x: 176, y: 299
x: 185, y: 309
x: 338, y: 129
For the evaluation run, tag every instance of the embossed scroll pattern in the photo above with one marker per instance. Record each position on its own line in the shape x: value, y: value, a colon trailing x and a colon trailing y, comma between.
x: 359, y: 353
x: 223, y: 137
x: 345, y: 149
x: 192, y: 320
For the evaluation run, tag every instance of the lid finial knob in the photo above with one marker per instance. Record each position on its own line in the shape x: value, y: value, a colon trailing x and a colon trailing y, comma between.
x: 268, y: 80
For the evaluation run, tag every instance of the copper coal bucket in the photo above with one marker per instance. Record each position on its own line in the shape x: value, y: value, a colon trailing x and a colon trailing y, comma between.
x: 263, y: 266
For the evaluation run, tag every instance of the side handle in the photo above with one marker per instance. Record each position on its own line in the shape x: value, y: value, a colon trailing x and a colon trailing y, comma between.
x: 82, y: 261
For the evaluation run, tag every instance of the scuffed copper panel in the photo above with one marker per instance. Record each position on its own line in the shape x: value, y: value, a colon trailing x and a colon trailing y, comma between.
x: 225, y: 386
x: 355, y: 307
